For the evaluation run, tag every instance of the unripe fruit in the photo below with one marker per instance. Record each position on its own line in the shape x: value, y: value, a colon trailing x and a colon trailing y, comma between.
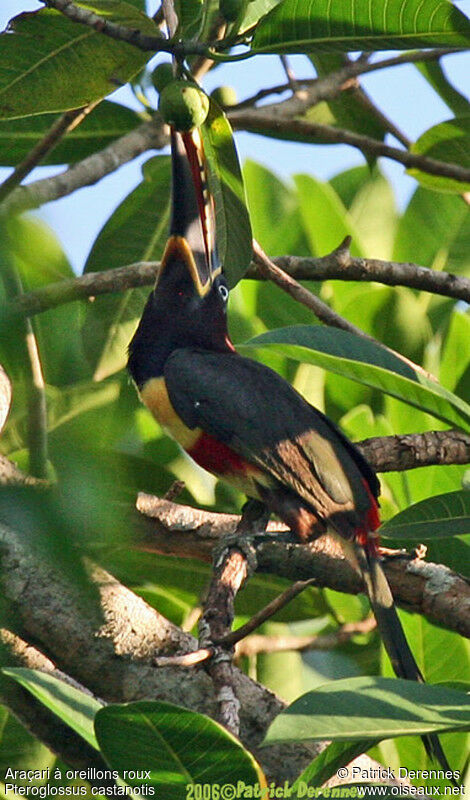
x: 162, y: 76
x: 231, y: 9
x: 183, y: 105
x: 225, y: 96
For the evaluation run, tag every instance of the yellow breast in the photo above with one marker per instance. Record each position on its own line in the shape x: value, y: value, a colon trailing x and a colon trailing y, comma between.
x: 155, y: 396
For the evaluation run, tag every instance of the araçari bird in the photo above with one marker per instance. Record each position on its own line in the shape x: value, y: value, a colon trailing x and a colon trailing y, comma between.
x: 239, y: 419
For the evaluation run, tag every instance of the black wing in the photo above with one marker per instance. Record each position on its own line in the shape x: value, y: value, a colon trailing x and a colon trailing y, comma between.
x: 260, y: 416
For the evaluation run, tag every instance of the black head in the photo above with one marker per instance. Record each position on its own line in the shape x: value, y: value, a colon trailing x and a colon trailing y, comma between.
x: 177, y: 314
x: 187, y: 308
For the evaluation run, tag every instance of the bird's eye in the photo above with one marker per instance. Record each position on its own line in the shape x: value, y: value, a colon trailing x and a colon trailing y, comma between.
x: 223, y: 291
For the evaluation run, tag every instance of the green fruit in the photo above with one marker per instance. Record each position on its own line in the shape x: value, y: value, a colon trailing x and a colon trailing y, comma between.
x: 183, y: 105
x: 225, y: 96
x: 231, y: 9
x: 162, y: 76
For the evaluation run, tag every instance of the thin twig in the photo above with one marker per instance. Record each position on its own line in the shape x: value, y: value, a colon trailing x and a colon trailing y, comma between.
x: 265, y: 613
x: 259, y: 643
x: 260, y: 121
x: 290, y: 74
x: 121, y: 33
x: 63, y: 125
x: 328, y: 88
x: 34, y: 379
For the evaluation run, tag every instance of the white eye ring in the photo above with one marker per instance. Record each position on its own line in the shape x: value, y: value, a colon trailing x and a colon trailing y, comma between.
x: 223, y: 291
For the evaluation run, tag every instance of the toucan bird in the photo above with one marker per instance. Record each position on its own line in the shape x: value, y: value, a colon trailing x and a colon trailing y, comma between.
x: 239, y: 419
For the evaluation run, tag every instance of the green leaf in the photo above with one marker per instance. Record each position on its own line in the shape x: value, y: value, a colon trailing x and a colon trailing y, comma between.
x: 324, y: 766
x: 136, y: 231
x: 74, y: 707
x: 365, y: 707
x: 44, y: 46
x: 234, y: 235
x: 190, y: 14
x: 435, y: 76
x: 106, y: 123
x: 455, y: 357
x: 437, y: 517
x: 365, y: 362
x: 298, y: 26
x: 434, y: 230
x: 270, y: 199
x: 352, y: 110
x: 326, y: 221
x: 450, y: 142
x: 178, y: 746
x: 256, y: 9
x: 123, y: 13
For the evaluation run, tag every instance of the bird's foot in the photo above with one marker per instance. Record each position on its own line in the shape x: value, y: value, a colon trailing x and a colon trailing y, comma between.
x: 255, y: 517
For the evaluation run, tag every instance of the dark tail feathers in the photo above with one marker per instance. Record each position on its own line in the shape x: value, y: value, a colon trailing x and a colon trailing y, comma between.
x: 393, y: 636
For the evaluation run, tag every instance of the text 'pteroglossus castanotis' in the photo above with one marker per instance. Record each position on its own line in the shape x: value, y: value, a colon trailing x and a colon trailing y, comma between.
x: 243, y: 422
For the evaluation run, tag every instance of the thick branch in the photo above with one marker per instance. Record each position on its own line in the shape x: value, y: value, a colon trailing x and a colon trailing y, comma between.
x: 339, y: 265
x: 109, y: 646
x: 409, y: 451
x: 432, y: 590
x: 148, y: 136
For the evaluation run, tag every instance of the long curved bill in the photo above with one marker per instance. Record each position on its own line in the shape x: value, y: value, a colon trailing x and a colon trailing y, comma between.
x: 192, y: 229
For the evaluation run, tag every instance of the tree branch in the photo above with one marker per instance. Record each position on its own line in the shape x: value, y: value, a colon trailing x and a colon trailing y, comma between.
x: 121, y: 33
x: 262, y: 122
x: 328, y: 87
x: 109, y: 646
x: 148, y: 136
x: 321, y: 310
x: 338, y: 265
x: 431, y: 590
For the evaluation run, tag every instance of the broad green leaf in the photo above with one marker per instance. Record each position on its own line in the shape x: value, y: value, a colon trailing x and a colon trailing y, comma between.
x: 437, y: 517
x: 226, y: 184
x: 122, y: 13
x: 74, y: 707
x: 455, y: 359
x: 444, y: 659
x: 107, y: 122
x: 256, y: 9
x: 365, y: 362
x: 374, y: 215
x: 326, y: 221
x: 324, y: 766
x: 19, y: 749
x: 434, y: 231
x: 449, y: 142
x: 42, y: 47
x: 136, y: 231
x: 190, y: 14
x: 178, y: 746
x: 435, y: 76
x: 270, y: 199
x: 32, y: 249
x: 366, y: 707
x: 299, y: 26
x: 351, y: 110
